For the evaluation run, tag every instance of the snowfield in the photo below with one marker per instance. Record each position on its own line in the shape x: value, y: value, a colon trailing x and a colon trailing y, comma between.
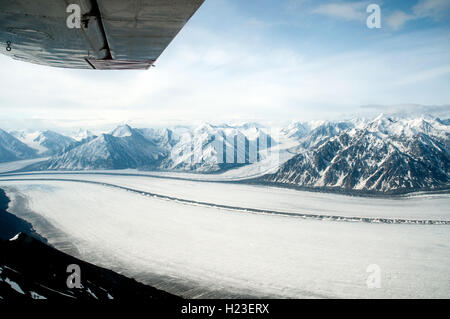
x: 201, y: 251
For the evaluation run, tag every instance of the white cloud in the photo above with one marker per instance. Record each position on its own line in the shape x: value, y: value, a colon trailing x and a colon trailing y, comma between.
x: 398, y: 19
x: 423, y: 75
x: 344, y: 10
x: 412, y: 110
x: 436, y: 9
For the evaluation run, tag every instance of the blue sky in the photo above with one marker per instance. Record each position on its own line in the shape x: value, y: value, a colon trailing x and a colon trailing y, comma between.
x: 258, y: 60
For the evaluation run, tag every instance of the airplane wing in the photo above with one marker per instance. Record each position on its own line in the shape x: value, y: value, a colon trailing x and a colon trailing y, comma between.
x: 105, y: 35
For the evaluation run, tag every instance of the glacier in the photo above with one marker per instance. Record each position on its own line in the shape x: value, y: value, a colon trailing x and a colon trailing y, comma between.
x: 202, y: 252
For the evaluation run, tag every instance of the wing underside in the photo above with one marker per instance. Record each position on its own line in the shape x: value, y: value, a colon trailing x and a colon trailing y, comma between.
x: 113, y: 34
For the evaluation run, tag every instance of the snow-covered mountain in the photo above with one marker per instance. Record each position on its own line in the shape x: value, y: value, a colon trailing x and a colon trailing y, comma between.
x: 164, y: 137
x: 124, y: 147
x: 210, y: 148
x: 81, y: 135
x: 46, y: 143
x: 384, y: 155
x: 11, y: 149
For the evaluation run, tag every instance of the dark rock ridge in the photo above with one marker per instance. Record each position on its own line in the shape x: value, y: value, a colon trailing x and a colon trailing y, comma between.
x: 29, y: 269
x: 10, y: 225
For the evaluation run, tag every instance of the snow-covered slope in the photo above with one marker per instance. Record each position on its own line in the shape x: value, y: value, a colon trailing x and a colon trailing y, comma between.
x: 384, y: 154
x: 18, y: 165
x: 11, y: 149
x: 46, y: 143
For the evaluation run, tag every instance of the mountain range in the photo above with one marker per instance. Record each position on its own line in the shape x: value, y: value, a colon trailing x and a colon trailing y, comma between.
x: 384, y: 154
